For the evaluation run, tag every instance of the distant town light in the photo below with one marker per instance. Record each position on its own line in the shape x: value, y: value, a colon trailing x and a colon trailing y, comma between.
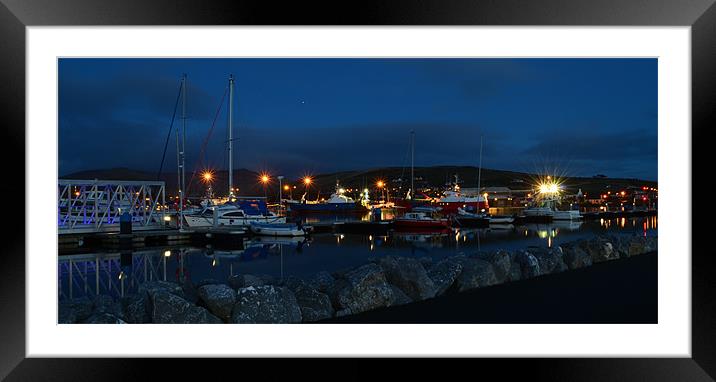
x: 286, y: 187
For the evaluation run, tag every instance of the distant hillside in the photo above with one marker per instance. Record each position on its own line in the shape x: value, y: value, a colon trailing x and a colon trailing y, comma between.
x: 245, y: 180
x: 436, y: 176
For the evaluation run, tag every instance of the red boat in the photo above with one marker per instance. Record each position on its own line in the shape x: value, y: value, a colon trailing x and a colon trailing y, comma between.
x: 419, y: 221
x: 453, y: 199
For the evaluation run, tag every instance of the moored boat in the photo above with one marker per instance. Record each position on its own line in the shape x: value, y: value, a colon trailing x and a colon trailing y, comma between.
x: 278, y: 229
x: 419, y: 220
x: 241, y: 212
x: 337, y: 203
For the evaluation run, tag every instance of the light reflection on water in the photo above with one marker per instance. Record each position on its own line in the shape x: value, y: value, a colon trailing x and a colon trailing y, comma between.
x: 121, y: 273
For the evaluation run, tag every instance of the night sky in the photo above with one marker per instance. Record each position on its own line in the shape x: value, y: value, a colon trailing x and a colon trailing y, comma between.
x: 580, y: 117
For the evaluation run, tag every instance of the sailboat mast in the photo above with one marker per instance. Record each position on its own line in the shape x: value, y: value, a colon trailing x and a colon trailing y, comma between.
x: 230, y: 127
x: 182, y: 153
x: 412, y: 163
x: 479, y: 174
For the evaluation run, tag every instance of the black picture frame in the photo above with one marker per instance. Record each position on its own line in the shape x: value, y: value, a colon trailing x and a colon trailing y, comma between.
x: 700, y: 15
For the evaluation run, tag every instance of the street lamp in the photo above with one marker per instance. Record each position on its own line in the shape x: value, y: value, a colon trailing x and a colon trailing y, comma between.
x: 307, y: 181
x: 380, y: 184
x: 265, y: 179
x: 280, y: 191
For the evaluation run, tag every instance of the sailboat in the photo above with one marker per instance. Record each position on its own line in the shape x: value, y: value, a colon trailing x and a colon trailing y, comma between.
x: 411, y: 200
x: 236, y: 211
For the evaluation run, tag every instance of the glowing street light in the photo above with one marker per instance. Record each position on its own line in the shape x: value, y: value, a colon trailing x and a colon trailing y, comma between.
x: 207, y: 176
x: 307, y: 180
x: 265, y: 179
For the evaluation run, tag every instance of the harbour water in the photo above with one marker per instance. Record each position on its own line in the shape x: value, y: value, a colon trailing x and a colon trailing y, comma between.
x: 121, y: 273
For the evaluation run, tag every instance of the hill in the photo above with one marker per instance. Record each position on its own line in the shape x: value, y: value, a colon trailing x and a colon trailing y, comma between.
x: 435, y: 177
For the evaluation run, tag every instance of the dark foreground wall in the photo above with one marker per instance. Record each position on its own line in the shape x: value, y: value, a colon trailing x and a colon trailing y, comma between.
x: 623, y: 291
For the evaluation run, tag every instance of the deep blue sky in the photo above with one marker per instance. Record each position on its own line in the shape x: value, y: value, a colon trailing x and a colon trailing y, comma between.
x: 296, y: 116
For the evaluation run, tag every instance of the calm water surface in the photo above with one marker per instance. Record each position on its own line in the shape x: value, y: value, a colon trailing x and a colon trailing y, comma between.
x: 120, y: 274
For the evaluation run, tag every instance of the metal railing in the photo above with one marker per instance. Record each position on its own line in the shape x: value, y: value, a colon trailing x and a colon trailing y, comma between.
x: 96, y: 205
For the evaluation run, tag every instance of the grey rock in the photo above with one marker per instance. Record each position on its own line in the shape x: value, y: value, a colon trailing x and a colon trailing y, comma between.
x: 75, y: 310
x: 574, y: 257
x: 409, y: 275
x: 444, y: 273
x: 599, y: 249
x: 136, y: 309
x: 314, y: 305
x: 475, y: 273
x: 168, y: 308
x: 529, y: 265
x: 501, y: 261
x: 203, y: 282
x: 266, y: 304
x: 652, y: 244
x: 237, y: 282
x: 152, y: 287
x: 218, y: 298
x: 321, y: 281
x: 620, y: 245
x: 107, y: 304
x: 103, y: 318
x: 363, y: 288
x: 426, y: 262
x: 550, y: 259
x: 399, y: 297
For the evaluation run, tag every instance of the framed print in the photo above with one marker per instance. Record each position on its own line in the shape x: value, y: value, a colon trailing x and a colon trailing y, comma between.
x: 464, y: 179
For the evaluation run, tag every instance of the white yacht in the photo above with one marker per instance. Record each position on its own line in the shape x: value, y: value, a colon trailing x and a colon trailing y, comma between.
x: 237, y: 213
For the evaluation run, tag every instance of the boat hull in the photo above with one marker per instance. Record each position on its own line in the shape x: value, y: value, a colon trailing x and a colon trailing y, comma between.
x: 326, y: 208
x: 411, y: 225
x: 203, y: 221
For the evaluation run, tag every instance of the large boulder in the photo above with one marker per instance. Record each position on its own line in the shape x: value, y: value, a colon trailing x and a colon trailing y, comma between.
x: 475, y: 273
x: 652, y: 244
x: 244, y: 281
x: 620, y: 245
x: 599, y: 248
x: 74, y: 310
x: 399, y: 297
x: 550, y: 259
x: 168, y: 308
x: 106, y: 304
x: 321, y: 281
x: 574, y: 257
x: 501, y: 261
x: 266, y: 304
x: 136, y: 309
x: 103, y: 318
x: 314, y: 305
x: 218, y: 298
x: 528, y: 263
x: 409, y: 275
x: 151, y: 287
x: 363, y: 288
x: 444, y: 273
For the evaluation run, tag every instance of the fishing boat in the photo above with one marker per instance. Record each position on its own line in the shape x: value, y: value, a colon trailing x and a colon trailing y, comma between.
x: 337, y: 203
x: 419, y: 221
x: 278, y: 229
x: 453, y: 199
